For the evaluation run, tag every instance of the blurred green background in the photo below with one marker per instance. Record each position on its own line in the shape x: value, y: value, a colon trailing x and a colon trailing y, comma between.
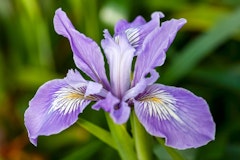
x: 204, y: 58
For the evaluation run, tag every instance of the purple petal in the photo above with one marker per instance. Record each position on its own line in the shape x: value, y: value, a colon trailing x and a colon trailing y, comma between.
x: 120, y: 114
x: 93, y: 88
x: 154, y: 48
x: 119, y: 111
x: 75, y: 79
x: 87, y: 54
x: 107, y: 104
x: 175, y: 114
x: 140, y: 86
x: 123, y: 25
x: 119, y: 54
x: 56, y: 105
x: 138, y: 30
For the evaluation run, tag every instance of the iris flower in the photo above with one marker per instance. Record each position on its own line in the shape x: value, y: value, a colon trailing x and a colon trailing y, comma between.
x: 132, y: 53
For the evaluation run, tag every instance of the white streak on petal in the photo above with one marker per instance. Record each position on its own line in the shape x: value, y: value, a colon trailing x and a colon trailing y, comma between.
x: 119, y: 54
x: 133, y: 36
x: 67, y: 100
x: 176, y: 114
x: 160, y: 104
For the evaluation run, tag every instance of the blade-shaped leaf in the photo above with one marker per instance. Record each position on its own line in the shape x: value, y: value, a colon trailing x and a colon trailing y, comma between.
x: 97, y: 131
x: 85, y: 152
x: 227, y: 78
x: 172, y: 152
x: 201, y: 47
x: 143, y: 141
x: 124, y: 142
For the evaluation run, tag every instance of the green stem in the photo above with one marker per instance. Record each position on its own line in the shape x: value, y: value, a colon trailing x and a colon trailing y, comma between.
x: 172, y: 152
x: 124, y: 142
x: 142, y: 139
x: 97, y: 131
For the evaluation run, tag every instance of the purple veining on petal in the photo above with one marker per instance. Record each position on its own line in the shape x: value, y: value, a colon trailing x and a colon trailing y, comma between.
x: 154, y: 48
x: 138, y: 30
x: 87, y: 54
x: 176, y: 114
x: 53, y: 109
x: 119, y: 54
x: 123, y: 25
x: 57, y: 103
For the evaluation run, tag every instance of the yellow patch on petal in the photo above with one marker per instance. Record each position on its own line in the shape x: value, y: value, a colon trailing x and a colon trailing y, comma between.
x: 152, y: 99
x: 157, y: 100
x: 75, y: 96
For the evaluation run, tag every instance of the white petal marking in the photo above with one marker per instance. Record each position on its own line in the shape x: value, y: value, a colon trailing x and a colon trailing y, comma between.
x: 133, y: 36
x: 67, y: 100
x: 160, y: 104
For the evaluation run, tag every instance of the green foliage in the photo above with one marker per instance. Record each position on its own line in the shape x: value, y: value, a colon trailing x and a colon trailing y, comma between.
x: 100, y: 133
x: 203, y: 58
x: 198, y: 49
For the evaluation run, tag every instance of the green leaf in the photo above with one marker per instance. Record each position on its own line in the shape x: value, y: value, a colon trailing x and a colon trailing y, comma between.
x: 2, y: 80
x: 226, y: 78
x: 85, y: 152
x: 142, y: 139
x: 97, y: 131
x: 33, y: 77
x: 172, y: 152
x: 124, y: 142
x: 198, y: 49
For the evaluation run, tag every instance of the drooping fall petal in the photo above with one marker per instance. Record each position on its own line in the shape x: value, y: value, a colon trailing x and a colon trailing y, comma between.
x: 56, y: 105
x: 176, y: 114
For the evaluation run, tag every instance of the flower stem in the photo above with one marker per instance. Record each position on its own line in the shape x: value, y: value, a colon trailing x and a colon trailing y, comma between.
x: 142, y: 139
x: 124, y: 142
x: 171, y: 151
x: 97, y: 131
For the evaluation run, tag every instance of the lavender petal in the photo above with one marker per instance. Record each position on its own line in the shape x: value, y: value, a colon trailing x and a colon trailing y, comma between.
x: 177, y: 115
x: 119, y: 54
x: 57, y: 104
x: 119, y: 111
x: 155, y: 47
x: 87, y: 54
x: 138, y: 30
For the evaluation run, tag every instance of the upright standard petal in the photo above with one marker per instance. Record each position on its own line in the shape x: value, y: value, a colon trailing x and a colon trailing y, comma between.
x: 119, y: 54
x: 176, y: 114
x: 123, y: 25
x: 56, y: 106
x: 154, y: 49
x: 138, y: 30
x: 87, y: 54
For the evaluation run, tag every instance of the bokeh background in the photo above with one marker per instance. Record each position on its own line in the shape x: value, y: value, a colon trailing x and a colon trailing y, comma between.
x: 204, y: 58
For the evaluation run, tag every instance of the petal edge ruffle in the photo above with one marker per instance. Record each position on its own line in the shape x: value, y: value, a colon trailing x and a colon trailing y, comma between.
x: 86, y: 53
x: 57, y: 104
x: 175, y: 114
